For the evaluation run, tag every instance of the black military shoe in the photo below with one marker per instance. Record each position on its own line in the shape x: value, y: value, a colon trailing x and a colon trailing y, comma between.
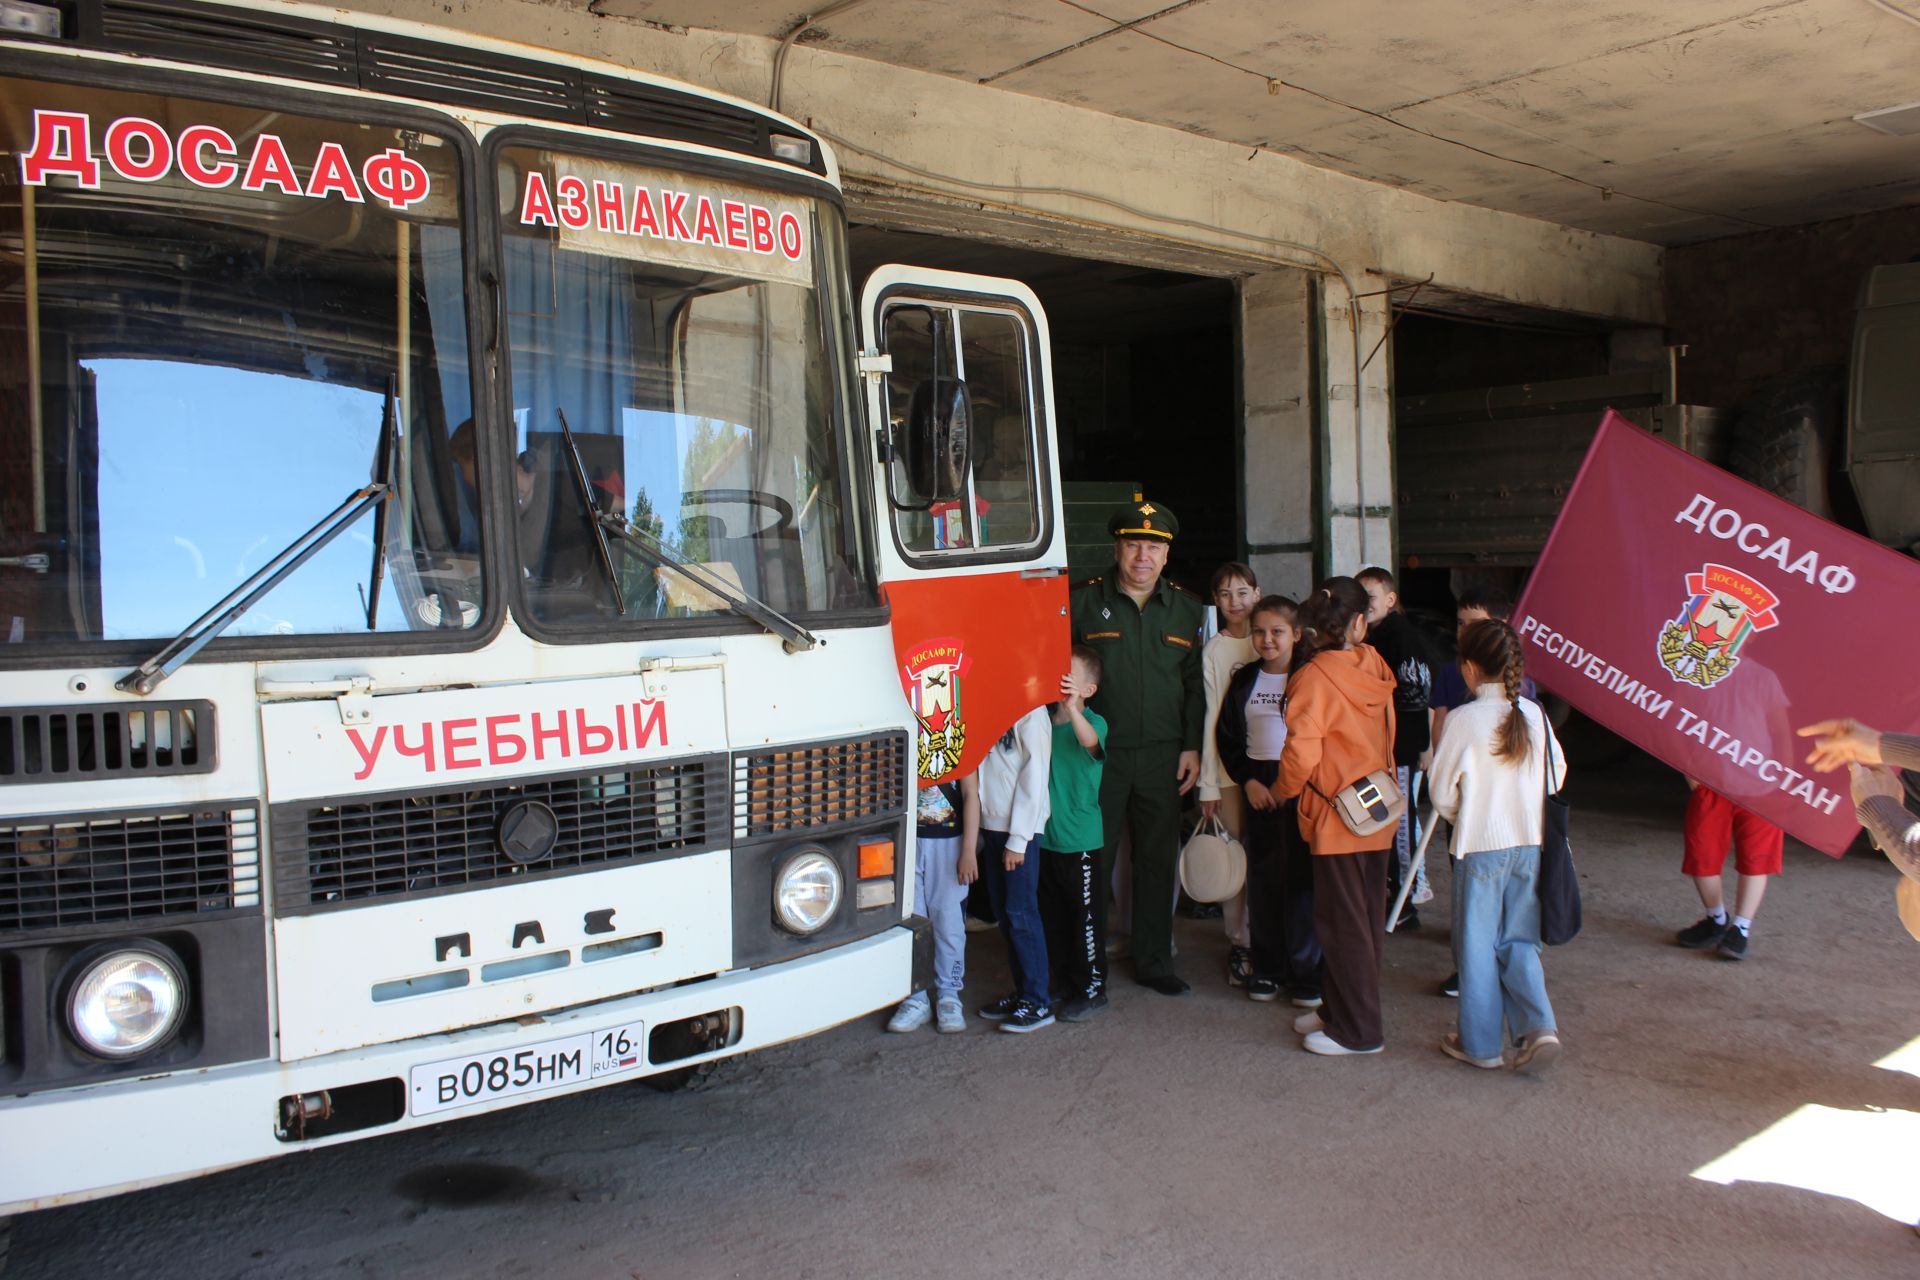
x: 1167, y: 984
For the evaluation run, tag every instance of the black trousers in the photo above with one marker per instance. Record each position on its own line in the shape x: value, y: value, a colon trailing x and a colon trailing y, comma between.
x: 1286, y: 948
x: 1073, y: 906
x: 1349, y: 910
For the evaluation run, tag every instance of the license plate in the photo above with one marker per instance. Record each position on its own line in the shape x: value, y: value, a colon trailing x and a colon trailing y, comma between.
x: 506, y: 1073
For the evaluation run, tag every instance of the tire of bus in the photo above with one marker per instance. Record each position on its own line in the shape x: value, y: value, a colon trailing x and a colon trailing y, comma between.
x: 6, y: 1234
x: 1788, y: 434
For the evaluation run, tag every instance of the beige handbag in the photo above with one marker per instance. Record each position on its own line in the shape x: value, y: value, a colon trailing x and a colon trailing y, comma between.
x: 1370, y: 805
x: 1213, y: 865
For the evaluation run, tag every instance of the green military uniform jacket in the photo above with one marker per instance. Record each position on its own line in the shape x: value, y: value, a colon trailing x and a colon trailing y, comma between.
x: 1151, y: 691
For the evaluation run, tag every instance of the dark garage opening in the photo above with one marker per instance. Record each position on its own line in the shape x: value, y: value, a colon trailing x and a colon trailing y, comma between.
x: 1144, y: 384
x: 1466, y: 457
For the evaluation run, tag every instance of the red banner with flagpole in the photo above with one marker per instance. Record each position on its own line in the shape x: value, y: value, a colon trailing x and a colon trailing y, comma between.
x: 1702, y: 619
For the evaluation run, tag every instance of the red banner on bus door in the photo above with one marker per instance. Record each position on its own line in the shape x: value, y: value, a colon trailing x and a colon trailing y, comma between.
x: 1702, y: 619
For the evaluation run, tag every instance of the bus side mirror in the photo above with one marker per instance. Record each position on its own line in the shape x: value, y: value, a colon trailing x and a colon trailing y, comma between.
x: 938, y: 439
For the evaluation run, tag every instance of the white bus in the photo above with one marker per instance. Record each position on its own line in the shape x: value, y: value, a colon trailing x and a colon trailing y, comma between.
x: 461, y: 562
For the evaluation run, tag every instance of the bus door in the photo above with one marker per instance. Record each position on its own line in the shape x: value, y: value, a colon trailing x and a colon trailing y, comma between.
x: 973, y: 556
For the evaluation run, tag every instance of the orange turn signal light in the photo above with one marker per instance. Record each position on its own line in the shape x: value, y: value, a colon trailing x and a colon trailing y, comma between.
x: 876, y: 859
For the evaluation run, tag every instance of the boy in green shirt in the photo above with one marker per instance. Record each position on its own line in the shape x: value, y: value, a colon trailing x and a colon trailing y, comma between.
x: 1073, y: 900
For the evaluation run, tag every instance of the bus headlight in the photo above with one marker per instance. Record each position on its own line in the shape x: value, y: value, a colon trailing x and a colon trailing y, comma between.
x: 128, y: 1002
x: 807, y: 891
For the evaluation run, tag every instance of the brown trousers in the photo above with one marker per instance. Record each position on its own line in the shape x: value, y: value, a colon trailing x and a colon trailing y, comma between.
x: 1349, y: 914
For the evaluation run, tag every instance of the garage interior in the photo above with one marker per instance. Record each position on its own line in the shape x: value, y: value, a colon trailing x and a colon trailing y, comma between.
x: 1145, y: 375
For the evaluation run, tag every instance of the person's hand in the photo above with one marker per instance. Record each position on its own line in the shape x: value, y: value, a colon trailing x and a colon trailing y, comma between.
x: 967, y: 870
x: 1425, y: 764
x: 1014, y: 860
x: 1259, y: 797
x: 1075, y: 691
x: 1876, y: 780
x: 1188, y: 772
x: 1208, y: 808
x: 1841, y: 742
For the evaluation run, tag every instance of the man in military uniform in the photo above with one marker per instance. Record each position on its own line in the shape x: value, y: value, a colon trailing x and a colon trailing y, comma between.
x: 1147, y: 632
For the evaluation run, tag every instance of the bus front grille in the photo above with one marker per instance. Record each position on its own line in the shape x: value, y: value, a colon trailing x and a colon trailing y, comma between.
x: 337, y: 852
x: 810, y: 787
x: 105, y: 868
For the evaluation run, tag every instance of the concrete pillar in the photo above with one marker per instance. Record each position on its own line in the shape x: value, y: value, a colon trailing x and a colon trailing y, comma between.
x: 1279, y: 384
x: 1358, y: 455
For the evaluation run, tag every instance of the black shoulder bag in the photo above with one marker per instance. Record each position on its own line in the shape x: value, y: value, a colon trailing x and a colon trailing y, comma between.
x: 1558, y: 885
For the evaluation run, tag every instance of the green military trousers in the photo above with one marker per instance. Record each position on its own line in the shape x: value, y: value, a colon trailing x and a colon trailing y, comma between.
x: 1140, y: 795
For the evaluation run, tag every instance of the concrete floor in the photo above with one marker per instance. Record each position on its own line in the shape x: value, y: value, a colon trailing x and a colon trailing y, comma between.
x: 1188, y: 1137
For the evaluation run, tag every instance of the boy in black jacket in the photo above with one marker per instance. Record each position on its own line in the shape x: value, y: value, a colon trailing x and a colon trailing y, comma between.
x: 1411, y: 658
x: 1249, y: 734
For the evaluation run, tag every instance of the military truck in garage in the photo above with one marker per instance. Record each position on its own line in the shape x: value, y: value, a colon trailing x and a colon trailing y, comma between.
x: 1481, y: 474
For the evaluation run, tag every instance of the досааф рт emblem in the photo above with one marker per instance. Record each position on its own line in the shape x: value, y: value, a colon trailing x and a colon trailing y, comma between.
x: 1724, y: 608
x: 934, y: 671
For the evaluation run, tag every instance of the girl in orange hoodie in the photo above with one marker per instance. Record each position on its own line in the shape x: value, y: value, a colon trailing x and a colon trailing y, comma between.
x: 1340, y: 729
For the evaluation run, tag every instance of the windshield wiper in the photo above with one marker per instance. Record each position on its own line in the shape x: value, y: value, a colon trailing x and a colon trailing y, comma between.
x: 146, y: 677
x: 793, y: 636
x: 592, y: 509
x: 385, y: 464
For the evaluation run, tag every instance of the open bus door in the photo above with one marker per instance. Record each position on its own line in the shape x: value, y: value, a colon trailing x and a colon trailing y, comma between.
x: 973, y: 558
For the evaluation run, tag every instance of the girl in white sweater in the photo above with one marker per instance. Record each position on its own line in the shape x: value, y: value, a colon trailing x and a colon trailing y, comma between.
x: 1496, y: 760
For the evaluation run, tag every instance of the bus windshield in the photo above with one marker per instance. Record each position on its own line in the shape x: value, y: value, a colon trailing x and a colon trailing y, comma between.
x: 203, y: 310
x: 673, y: 376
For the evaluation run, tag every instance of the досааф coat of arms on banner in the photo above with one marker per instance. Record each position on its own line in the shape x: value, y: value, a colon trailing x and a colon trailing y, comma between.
x: 1724, y: 608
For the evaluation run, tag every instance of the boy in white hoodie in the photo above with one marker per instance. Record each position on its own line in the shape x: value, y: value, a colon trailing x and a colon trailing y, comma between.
x: 1013, y: 812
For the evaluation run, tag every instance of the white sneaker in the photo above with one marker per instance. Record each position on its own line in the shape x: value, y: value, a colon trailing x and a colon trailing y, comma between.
x: 1322, y: 1043
x: 949, y: 1017
x: 912, y: 1014
x: 1308, y: 1023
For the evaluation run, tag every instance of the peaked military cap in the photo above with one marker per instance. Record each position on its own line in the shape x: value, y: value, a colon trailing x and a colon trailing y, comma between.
x: 1144, y: 520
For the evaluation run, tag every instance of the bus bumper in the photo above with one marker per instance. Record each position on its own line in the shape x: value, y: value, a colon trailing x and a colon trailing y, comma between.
x: 72, y: 1145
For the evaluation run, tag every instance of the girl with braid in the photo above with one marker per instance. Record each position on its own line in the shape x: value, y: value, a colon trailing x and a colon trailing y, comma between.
x: 1496, y: 760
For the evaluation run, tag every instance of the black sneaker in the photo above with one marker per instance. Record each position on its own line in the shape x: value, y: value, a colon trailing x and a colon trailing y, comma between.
x: 1081, y: 1008
x: 1167, y: 984
x: 1262, y: 989
x: 1450, y: 986
x: 1027, y: 1016
x: 1409, y: 919
x: 1733, y: 943
x: 1239, y: 966
x: 1000, y: 1010
x: 1702, y: 933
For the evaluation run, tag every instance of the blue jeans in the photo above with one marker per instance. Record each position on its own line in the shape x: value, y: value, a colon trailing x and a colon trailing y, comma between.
x: 1016, y: 900
x: 1496, y: 944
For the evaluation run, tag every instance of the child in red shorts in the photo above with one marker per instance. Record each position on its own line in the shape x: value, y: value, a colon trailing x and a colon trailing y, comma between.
x: 1712, y: 823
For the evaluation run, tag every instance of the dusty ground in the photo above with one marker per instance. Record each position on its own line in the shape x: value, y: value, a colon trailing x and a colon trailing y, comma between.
x: 1187, y: 1138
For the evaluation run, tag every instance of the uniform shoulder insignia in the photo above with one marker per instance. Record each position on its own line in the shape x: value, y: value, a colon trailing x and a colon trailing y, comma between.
x: 1094, y: 581
x: 1182, y: 590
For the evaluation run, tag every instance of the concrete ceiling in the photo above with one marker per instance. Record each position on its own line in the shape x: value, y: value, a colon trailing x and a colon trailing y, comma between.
x: 1660, y: 120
